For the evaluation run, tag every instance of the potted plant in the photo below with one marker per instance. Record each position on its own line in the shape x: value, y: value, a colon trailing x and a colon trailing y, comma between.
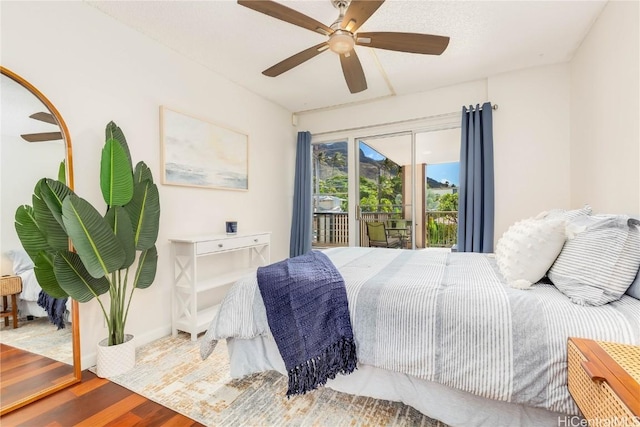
x: 112, y: 254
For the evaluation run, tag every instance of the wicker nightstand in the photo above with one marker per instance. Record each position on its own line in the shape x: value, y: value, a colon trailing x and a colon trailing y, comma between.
x: 604, y: 380
x: 10, y: 285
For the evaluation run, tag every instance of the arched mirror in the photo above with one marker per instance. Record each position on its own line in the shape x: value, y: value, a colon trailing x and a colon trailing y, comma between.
x: 37, y: 357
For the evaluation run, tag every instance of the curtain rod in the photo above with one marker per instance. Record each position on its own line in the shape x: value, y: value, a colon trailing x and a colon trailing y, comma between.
x: 397, y: 122
x: 494, y: 107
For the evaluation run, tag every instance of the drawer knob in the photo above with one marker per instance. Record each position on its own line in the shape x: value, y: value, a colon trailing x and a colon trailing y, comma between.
x: 255, y: 240
x: 219, y: 245
x: 593, y: 371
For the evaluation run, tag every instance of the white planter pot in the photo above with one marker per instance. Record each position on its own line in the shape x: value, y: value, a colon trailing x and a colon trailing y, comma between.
x: 115, y: 359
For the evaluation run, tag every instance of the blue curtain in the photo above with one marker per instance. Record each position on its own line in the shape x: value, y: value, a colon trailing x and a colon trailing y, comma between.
x: 300, y: 242
x: 476, y: 198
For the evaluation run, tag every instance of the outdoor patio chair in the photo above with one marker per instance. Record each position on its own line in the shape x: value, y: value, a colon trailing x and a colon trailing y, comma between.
x: 377, y: 233
x: 400, y: 228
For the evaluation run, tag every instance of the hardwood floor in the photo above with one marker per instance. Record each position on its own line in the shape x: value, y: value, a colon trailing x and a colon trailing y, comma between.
x: 92, y: 402
x: 23, y: 373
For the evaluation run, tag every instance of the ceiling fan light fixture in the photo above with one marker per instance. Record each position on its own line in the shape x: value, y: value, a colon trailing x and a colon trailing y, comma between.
x: 341, y: 42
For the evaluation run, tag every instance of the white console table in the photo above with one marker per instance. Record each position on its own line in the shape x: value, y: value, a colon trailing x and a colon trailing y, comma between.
x: 187, y: 253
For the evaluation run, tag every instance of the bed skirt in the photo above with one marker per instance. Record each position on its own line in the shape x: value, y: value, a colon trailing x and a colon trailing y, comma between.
x: 451, y: 406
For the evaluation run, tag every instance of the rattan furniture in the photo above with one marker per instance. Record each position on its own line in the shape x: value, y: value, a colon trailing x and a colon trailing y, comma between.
x: 10, y: 286
x: 604, y: 380
x: 378, y: 236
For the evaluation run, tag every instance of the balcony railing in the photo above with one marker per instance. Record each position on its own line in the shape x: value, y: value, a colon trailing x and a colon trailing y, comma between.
x: 332, y: 228
x: 442, y: 229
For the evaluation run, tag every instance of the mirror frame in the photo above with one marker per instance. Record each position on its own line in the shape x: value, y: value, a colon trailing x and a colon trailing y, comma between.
x: 75, y: 317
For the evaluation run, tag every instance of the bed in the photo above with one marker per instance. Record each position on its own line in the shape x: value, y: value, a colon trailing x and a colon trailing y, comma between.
x: 442, y: 332
x: 31, y: 290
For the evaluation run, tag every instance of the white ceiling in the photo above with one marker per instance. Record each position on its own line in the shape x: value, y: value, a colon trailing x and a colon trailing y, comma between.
x: 487, y: 38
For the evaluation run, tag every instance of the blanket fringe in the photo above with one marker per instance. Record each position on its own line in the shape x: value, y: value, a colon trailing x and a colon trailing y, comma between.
x: 339, y: 357
x: 54, y: 307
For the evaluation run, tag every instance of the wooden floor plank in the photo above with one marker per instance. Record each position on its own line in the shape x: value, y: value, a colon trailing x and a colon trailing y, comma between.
x: 22, y: 374
x: 95, y: 402
x: 112, y: 412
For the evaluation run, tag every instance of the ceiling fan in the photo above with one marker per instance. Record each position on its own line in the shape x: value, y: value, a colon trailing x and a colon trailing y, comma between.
x: 43, y: 136
x: 343, y: 36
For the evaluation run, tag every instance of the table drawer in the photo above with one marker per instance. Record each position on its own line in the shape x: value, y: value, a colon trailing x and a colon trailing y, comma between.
x: 600, y: 387
x: 232, y: 243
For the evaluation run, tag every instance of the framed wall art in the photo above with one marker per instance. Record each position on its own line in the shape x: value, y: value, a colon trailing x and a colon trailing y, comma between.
x: 199, y: 153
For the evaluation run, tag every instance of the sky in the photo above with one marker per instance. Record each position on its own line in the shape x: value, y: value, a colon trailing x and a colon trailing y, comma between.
x: 370, y: 152
x: 445, y: 171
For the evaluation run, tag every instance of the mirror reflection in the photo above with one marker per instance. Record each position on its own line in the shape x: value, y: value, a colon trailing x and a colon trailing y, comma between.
x: 41, y: 341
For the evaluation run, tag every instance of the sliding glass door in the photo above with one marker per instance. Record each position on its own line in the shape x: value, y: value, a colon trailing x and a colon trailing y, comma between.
x: 438, y: 154
x: 385, y: 191
x: 330, y: 200
x: 405, y: 179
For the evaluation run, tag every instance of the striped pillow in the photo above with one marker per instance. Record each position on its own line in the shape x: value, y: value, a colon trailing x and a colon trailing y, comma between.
x: 598, y: 264
x: 634, y: 289
x: 567, y: 215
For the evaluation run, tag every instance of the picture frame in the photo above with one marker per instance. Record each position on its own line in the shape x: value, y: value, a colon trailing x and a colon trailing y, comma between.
x: 199, y: 153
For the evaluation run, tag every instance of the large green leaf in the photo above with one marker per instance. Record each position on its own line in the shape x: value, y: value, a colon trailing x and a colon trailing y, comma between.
x: 147, y: 265
x: 96, y: 244
x: 52, y: 230
x: 62, y: 172
x: 118, y: 218
x: 142, y: 173
x: 75, y: 279
x: 116, y: 175
x: 53, y: 193
x: 32, y: 239
x: 46, y: 276
x: 112, y: 131
x: 144, y: 211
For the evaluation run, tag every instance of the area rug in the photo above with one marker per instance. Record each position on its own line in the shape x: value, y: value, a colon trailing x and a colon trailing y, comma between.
x: 169, y: 371
x: 41, y: 337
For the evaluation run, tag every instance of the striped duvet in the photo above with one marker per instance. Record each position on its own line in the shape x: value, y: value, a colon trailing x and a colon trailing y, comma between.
x: 450, y: 318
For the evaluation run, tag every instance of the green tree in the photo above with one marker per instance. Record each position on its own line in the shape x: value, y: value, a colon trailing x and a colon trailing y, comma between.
x: 433, y: 200
x: 449, y: 202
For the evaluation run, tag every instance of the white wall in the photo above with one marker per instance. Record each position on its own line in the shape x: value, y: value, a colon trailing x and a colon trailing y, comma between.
x: 605, y: 113
x: 531, y: 132
x: 95, y: 70
x: 531, y: 142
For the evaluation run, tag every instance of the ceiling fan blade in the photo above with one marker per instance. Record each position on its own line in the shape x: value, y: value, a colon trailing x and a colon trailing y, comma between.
x: 358, y: 12
x: 278, y: 11
x: 404, y: 42
x: 352, y: 70
x: 295, y: 60
x: 40, y: 137
x: 44, y: 117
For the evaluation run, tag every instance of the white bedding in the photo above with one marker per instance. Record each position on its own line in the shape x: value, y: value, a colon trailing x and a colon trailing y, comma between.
x: 28, y: 298
x: 451, y: 319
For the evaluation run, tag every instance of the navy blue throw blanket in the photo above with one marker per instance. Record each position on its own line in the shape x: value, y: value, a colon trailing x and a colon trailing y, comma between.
x: 308, y: 315
x: 54, y: 307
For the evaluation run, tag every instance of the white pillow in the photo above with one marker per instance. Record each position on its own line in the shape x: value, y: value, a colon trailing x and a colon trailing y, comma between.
x: 21, y: 261
x: 598, y: 264
x: 528, y: 248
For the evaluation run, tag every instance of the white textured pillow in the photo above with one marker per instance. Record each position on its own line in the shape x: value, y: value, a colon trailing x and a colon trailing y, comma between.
x: 598, y: 264
x: 527, y: 249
